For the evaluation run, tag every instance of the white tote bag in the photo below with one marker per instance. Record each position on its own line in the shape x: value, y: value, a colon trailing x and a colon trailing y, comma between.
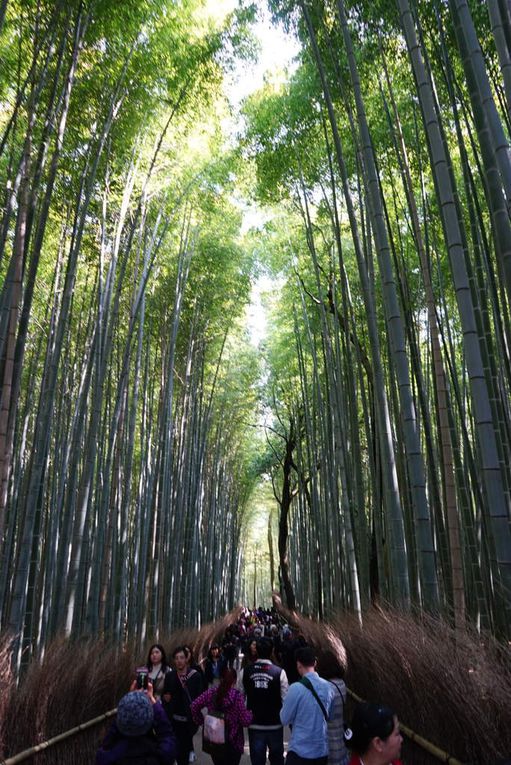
x: 214, y: 728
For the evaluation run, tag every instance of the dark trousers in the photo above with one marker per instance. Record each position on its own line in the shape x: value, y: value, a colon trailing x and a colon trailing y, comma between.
x: 261, y: 740
x: 295, y: 759
x: 230, y: 756
x: 185, y: 732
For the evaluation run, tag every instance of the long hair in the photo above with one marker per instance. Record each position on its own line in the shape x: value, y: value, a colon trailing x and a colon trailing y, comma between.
x: 214, y: 645
x: 226, y: 683
x: 164, y: 662
x: 329, y: 665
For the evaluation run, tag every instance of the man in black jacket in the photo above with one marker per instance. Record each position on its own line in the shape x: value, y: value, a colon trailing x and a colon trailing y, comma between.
x: 180, y: 689
x: 265, y: 686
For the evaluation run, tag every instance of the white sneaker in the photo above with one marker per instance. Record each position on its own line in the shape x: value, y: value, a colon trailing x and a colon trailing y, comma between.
x: 191, y: 757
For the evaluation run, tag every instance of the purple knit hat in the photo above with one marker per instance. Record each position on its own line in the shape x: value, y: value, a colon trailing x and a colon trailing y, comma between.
x: 134, y: 714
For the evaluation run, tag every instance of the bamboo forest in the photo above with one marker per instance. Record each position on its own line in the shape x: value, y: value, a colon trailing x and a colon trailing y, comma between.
x: 255, y: 320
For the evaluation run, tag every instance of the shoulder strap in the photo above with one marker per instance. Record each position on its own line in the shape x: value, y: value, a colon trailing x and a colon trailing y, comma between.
x: 184, y: 685
x: 340, y: 694
x: 307, y: 683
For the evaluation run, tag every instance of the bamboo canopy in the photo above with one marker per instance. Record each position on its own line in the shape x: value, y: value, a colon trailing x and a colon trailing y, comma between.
x: 158, y: 465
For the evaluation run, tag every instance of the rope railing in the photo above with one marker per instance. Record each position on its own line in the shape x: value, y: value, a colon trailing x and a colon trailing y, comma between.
x: 419, y: 740
x: 291, y: 617
x: 21, y: 756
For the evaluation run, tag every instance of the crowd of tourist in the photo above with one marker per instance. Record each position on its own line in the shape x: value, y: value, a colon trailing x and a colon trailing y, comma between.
x: 263, y: 676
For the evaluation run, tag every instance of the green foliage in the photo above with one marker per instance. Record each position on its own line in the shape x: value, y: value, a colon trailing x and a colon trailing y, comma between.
x: 283, y: 135
x: 143, y: 184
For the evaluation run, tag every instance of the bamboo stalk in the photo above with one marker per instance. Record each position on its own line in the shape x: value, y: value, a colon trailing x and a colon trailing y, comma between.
x: 21, y: 756
x: 409, y: 733
x: 440, y: 754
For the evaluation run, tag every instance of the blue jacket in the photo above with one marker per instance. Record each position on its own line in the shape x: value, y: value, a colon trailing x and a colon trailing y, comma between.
x: 158, y: 747
x: 209, y: 670
x: 302, y: 711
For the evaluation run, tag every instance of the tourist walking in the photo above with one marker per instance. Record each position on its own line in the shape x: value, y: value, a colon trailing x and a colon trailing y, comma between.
x: 214, y: 666
x: 180, y: 689
x: 250, y: 653
x: 265, y: 686
x: 227, y: 701
x: 292, y: 640
x: 306, y: 709
x: 157, y: 666
x: 141, y: 733
x: 329, y: 667
x: 374, y: 736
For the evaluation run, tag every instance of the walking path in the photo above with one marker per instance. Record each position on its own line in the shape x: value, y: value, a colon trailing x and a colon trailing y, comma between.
x: 205, y: 759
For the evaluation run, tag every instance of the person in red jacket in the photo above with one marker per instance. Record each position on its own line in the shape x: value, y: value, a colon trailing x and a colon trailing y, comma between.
x: 374, y: 736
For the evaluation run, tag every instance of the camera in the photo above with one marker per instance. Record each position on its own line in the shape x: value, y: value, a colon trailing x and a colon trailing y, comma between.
x: 142, y: 678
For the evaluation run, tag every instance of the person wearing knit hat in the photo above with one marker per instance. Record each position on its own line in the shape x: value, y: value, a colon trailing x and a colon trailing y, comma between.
x: 142, y: 732
x: 134, y: 714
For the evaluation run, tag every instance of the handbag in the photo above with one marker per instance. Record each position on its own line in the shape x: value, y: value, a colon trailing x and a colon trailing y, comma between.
x: 213, y: 733
x: 214, y: 727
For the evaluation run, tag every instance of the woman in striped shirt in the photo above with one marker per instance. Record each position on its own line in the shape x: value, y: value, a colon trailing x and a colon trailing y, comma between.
x: 329, y: 667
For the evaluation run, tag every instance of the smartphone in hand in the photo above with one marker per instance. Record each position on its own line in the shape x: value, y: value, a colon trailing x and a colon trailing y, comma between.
x: 142, y: 678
